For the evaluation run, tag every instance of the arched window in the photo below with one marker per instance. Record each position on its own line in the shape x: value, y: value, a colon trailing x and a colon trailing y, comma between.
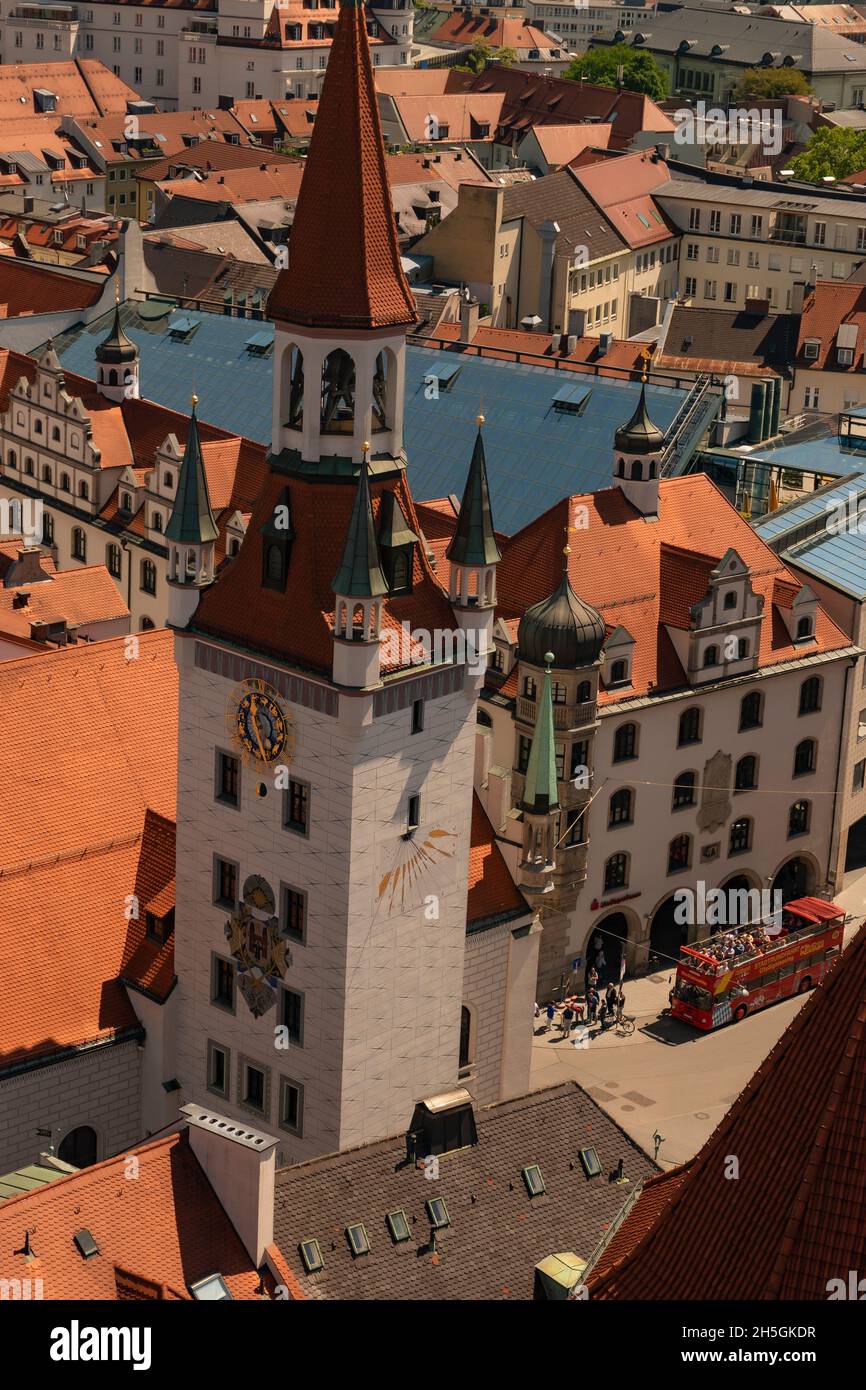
x: 464, y: 1060
x: 338, y: 393
x: 380, y: 393
x: 618, y: 673
x: 711, y: 656
x: 740, y: 838
x: 730, y: 599
x: 55, y: 433
x: 679, y: 853
x: 690, y: 726
x: 530, y: 689
x: 112, y: 377
x: 746, y: 775
x: 274, y: 564
x: 112, y: 560
x: 584, y: 692
x: 145, y: 625
x: 804, y: 628
x: 798, y: 819
x: 637, y: 472
x: 234, y: 547
x: 12, y: 459
x: 742, y: 648
x: 805, y: 757
x: 125, y: 502
x: 751, y: 710
x: 684, y: 791
x: 810, y: 695
x: 616, y: 872
x: 64, y: 482
x: 621, y: 808
x: 625, y: 743
x: 28, y: 466
x: 83, y: 490
x: 37, y: 426
x: 620, y: 468
x: 47, y: 475
x: 79, y: 544
x: 148, y: 577
x: 296, y: 389
x: 47, y: 528
x: 78, y: 1148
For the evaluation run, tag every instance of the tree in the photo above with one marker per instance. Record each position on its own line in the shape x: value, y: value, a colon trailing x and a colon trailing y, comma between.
x: 640, y: 71
x: 831, y: 151
x: 771, y: 84
x: 480, y: 54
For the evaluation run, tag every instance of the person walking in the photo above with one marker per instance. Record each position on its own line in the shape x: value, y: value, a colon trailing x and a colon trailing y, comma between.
x: 610, y: 999
x: 592, y: 1003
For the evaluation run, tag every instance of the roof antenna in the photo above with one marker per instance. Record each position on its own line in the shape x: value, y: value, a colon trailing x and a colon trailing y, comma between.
x: 26, y: 1249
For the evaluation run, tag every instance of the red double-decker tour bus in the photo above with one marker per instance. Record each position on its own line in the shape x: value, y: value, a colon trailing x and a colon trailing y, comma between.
x: 742, y: 969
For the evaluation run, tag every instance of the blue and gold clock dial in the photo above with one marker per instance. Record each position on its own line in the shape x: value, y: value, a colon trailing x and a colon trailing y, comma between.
x: 261, y: 726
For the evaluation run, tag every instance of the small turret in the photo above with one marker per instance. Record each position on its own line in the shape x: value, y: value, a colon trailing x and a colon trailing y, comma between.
x: 473, y: 554
x: 117, y: 361
x: 540, y: 801
x: 638, y: 446
x: 191, y: 532
x: 359, y: 586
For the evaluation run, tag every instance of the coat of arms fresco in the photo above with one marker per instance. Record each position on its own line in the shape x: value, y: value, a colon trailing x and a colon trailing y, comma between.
x: 255, y: 941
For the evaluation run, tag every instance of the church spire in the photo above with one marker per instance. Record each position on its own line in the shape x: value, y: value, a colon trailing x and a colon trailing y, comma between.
x: 360, y: 573
x: 344, y: 262
x: 540, y: 794
x: 474, y: 542
x: 192, y: 521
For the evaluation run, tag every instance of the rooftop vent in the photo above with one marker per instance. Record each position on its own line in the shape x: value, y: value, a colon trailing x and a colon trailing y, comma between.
x: 87, y: 1246
x: 441, y: 1124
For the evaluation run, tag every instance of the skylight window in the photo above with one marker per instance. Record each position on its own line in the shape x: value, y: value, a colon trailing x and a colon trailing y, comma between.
x: 590, y: 1162
x: 437, y: 1213
x: 311, y: 1256
x: 210, y: 1290
x: 534, y: 1181
x: 398, y: 1226
x: 642, y: 219
x: 357, y: 1237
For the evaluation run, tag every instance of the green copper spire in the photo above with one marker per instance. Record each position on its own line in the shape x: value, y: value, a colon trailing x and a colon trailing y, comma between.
x: 192, y: 521
x: 540, y: 791
x: 360, y: 573
x: 474, y: 542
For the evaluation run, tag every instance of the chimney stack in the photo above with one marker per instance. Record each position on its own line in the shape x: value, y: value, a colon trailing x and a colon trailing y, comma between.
x: 469, y: 309
x: 239, y: 1163
x: 27, y: 568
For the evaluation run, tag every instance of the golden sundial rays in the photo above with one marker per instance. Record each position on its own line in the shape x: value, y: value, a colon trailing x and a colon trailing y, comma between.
x: 399, y: 887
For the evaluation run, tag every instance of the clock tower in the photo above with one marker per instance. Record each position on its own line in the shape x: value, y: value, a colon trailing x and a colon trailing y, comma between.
x: 327, y: 715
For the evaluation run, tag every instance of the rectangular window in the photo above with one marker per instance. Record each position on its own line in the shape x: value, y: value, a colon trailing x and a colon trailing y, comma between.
x: 859, y: 775
x: 413, y: 812
x: 296, y: 807
x: 820, y: 233
x: 691, y: 251
x: 217, y: 1069
x: 253, y: 1092
x: 694, y: 219
x: 228, y: 779
x: 733, y: 255
x: 715, y: 220
x: 757, y: 225
x: 861, y: 238
x: 222, y: 982
x: 736, y: 223
x: 691, y: 286
x: 417, y: 716
x: 730, y: 292
x: 291, y: 1106
x: 225, y: 890
x: 292, y: 1015
x: 709, y: 289
x: 294, y: 914
x: 713, y: 255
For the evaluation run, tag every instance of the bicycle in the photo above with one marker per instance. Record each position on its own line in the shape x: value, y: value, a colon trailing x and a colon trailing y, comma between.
x: 624, y: 1025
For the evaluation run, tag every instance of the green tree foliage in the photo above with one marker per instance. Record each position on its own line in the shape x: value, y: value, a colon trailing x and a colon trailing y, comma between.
x: 480, y: 54
x: 641, y: 72
x: 770, y: 83
x: 831, y: 151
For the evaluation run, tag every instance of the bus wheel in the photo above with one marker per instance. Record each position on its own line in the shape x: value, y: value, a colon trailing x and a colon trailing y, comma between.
x: 740, y: 1013
x: 805, y: 983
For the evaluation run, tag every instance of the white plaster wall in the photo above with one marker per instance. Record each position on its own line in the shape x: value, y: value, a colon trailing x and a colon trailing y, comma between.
x: 382, y: 991
x: 158, y: 1060
x: 101, y: 1087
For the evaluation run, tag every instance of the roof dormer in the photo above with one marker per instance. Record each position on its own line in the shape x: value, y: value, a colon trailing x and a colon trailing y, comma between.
x: 725, y: 626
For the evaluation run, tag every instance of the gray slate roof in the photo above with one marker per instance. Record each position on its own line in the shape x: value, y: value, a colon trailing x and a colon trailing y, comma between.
x: 497, y: 1233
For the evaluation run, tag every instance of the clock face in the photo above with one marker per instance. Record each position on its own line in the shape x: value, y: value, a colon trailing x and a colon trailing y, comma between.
x: 259, y: 723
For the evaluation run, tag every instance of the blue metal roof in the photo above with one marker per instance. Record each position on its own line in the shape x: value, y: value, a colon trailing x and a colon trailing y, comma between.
x: 838, y: 559
x: 815, y: 456
x: 776, y: 523
x: 536, y: 454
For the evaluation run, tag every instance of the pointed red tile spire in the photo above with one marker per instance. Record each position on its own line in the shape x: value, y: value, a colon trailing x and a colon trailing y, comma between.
x: 344, y: 262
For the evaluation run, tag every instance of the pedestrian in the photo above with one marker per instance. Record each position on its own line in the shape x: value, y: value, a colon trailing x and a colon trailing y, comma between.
x: 592, y: 977
x: 567, y: 1020
x: 592, y: 1004
x: 610, y: 998
x: 602, y: 1015
x: 551, y: 1015
x: 620, y: 1006
x: 600, y: 963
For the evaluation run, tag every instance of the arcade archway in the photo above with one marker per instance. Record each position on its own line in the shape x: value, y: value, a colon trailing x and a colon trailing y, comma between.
x: 667, y: 935
x: 79, y: 1147
x: 796, y: 878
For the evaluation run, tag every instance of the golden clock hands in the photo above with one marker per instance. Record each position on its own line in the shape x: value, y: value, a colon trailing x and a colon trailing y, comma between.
x: 255, y: 724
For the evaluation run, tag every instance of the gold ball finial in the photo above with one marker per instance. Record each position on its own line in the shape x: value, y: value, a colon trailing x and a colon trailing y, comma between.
x: 366, y: 446
x: 566, y: 550
x: 117, y: 291
x: 479, y: 420
x: 193, y: 400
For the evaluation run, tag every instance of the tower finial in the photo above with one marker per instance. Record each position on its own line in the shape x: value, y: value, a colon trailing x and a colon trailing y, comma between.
x: 193, y: 400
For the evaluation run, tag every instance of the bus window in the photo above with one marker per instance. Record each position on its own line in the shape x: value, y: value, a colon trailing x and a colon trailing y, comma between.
x: 770, y: 978
x: 786, y: 970
x: 692, y: 994
x: 831, y: 953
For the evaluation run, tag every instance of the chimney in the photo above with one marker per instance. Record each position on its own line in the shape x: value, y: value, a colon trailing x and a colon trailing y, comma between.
x: 798, y: 294
x: 239, y: 1163
x: 21, y: 598
x: 663, y: 151
x: 26, y: 569
x: 469, y: 308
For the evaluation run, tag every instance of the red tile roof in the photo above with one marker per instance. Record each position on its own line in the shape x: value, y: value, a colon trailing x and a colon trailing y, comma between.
x: 156, y: 1235
x: 518, y: 34
x: 344, y: 265
x: 645, y: 577
x: 28, y: 287
x: 799, y: 1205
x: 83, y: 87
x: 492, y: 891
x: 68, y: 862
x: 621, y: 186
x: 560, y: 143
x: 75, y: 597
x: 825, y: 309
x: 296, y: 626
